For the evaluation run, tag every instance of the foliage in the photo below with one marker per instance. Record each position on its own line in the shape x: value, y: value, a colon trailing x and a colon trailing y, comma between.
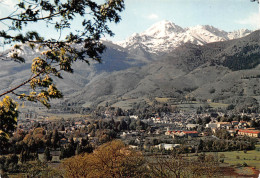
x: 38, y: 169
x: 176, y: 166
x: 212, y: 90
x: 57, y: 55
x: 9, y: 163
x: 112, y: 159
x: 209, y: 145
x: 8, y: 120
x: 222, y: 134
x: 47, y: 155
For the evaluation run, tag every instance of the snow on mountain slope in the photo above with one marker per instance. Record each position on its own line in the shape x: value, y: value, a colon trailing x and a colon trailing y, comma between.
x: 164, y: 36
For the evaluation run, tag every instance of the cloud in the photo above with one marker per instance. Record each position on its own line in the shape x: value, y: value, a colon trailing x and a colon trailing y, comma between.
x: 152, y: 17
x: 252, y: 20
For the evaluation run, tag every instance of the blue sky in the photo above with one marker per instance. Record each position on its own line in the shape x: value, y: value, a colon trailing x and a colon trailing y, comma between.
x: 139, y: 15
x: 228, y: 15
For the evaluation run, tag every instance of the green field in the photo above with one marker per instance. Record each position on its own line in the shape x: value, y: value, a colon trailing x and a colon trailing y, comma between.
x: 218, y: 105
x: 235, y: 158
x: 162, y: 100
x: 251, y: 158
x: 234, y: 162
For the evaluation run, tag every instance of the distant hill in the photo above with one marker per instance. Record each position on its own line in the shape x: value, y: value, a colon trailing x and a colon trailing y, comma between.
x: 115, y: 58
x: 226, y: 72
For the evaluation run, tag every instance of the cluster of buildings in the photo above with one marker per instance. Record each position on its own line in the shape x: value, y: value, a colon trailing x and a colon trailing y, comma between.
x: 240, y: 128
x: 180, y: 133
x: 249, y: 133
x: 228, y: 125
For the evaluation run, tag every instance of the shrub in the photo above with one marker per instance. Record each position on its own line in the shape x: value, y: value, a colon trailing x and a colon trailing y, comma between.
x: 244, y: 164
x: 212, y: 90
x: 222, y: 156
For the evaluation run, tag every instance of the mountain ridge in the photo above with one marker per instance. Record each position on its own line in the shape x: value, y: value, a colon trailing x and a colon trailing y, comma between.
x: 165, y: 36
x: 214, y: 72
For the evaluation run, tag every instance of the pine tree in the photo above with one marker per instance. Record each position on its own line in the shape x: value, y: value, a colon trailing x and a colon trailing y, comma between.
x: 55, y: 139
x: 47, y: 155
x: 22, y: 156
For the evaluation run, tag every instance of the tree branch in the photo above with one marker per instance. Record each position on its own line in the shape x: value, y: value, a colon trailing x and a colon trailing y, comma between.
x: 22, y: 84
x: 30, y: 20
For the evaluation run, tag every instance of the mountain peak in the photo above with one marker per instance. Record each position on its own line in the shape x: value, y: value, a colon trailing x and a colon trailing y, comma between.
x: 164, y: 36
x: 162, y: 29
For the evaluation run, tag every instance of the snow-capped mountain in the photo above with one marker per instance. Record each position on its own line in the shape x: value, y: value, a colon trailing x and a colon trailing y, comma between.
x: 164, y: 36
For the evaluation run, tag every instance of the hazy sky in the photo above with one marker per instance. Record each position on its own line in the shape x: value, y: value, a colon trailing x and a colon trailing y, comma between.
x: 224, y: 14
x: 141, y: 14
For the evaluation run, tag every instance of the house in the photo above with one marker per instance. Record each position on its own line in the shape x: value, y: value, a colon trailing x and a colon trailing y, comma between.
x: 242, y: 124
x: 192, y: 126
x: 223, y: 124
x: 168, y: 132
x: 234, y: 122
x: 232, y: 132
x: 133, y: 117
x: 191, y: 133
x: 63, y: 141
x: 167, y: 146
x: 249, y: 133
x: 179, y: 134
x: 55, y: 156
x: 133, y: 147
x: 211, y: 125
x: 157, y: 120
x: 62, y: 132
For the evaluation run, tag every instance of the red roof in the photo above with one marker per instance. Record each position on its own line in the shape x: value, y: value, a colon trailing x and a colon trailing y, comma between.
x: 190, y: 132
x: 250, y: 131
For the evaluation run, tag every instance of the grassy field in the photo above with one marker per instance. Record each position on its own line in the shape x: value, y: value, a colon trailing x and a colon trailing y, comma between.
x: 128, y: 103
x: 234, y: 162
x: 162, y: 100
x: 233, y: 158
x: 218, y: 105
x: 55, y: 117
